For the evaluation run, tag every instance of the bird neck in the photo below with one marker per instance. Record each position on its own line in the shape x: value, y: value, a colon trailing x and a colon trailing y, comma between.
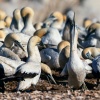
x: 57, y: 24
x: 28, y: 21
x: 13, y: 23
x: 67, y: 51
x: 33, y: 52
x: 73, y: 44
x: 20, y: 24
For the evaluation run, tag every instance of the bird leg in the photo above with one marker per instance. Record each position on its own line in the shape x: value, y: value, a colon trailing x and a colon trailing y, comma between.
x: 84, y: 87
x: 72, y: 89
x: 2, y: 86
x: 98, y: 84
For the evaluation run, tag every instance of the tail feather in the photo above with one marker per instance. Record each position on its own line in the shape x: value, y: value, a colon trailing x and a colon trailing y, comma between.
x: 11, y: 78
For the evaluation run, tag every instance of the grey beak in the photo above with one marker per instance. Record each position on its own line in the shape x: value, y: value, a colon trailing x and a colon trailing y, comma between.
x: 19, y: 44
x: 79, y: 45
x: 49, y: 21
x: 89, y: 56
x: 51, y: 77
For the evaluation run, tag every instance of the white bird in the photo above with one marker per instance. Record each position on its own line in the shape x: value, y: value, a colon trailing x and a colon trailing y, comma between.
x: 53, y: 36
x: 9, y: 42
x: 66, y: 32
x: 17, y: 21
x: 4, y: 32
x: 75, y: 66
x: 31, y: 69
x: 24, y: 40
x: 57, y: 17
x: 27, y: 14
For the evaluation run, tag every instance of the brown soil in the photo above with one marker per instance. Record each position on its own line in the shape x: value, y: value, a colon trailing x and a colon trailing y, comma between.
x: 49, y: 91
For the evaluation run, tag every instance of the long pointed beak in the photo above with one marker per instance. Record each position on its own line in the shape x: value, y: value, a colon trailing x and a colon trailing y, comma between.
x: 41, y: 45
x: 49, y: 20
x: 46, y: 45
x: 79, y: 45
x: 89, y: 56
x: 51, y: 77
x: 19, y: 44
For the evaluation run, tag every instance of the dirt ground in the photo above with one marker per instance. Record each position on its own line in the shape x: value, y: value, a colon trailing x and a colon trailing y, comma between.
x: 49, y: 91
x: 45, y: 90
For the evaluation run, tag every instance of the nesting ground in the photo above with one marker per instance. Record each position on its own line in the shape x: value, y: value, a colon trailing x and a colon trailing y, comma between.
x: 48, y: 91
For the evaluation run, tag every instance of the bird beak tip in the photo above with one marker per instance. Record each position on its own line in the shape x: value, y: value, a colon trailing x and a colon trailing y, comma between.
x: 19, y: 44
x: 52, y: 79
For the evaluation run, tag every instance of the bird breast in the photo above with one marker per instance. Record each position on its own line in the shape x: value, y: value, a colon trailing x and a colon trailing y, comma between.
x: 52, y: 37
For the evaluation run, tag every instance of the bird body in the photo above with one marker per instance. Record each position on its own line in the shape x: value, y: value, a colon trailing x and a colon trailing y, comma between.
x: 31, y: 73
x: 55, y: 22
x: 30, y: 70
x: 76, y: 71
x: 50, y: 37
x: 50, y: 57
x: 6, y: 52
x: 9, y: 65
x: 75, y: 66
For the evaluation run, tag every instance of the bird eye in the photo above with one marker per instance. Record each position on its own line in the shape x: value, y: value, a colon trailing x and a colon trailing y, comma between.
x: 16, y: 41
x: 52, y: 16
